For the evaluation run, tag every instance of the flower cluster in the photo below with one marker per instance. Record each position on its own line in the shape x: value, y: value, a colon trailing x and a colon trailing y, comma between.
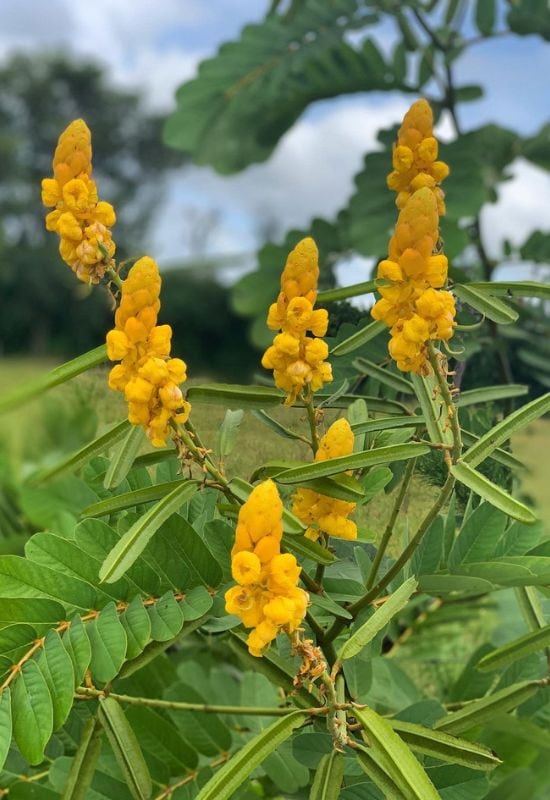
x: 298, y: 361
x: 267, y: 597
x: 415, y: 162
x: 413, y: 303
x: 80, y: 219
x: 147, y: 375
x: 319, y: 512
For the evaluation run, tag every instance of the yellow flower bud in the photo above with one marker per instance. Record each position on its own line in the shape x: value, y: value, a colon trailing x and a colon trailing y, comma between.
x: 246, y: 568
x: 50, y: 192
x: 69, y: 228
x: 118, y: 345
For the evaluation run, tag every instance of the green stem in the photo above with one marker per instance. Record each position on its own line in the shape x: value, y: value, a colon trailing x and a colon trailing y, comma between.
x: 315, y: 627
x: 310, y: 408
x: 386, y: 536
x: 452, y: 411
x: 84, y: 691
x: 530, y: 607
x: 114, y: 277
x: 396, y: 568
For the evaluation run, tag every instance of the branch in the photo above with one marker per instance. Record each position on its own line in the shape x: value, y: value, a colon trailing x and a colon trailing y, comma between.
x: 83, y: 692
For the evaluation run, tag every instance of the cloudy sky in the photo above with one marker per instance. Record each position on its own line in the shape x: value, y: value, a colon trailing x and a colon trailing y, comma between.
x: 156, y: 44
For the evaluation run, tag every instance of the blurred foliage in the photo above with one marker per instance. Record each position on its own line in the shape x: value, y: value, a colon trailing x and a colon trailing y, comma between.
x: 43, y: 308
x: 248, y: 96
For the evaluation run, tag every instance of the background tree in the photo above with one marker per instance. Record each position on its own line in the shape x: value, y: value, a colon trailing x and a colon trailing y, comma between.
x: 43, y: 309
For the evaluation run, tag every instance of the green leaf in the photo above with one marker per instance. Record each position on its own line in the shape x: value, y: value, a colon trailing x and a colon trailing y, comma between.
x: 20, y: 577
x: 445, y: 747
x: 275, y: 426
x: 57, y: 668
x: 122, y: 460
x: 76, y: 643
x: 498, y: 454
x: 325, y: 603
x: 166, y: 618
x: 370, y: 763
x: 343, y: 487
x: 254, y: 89
x: 526, y: 17
x: 489, y: 491
x: 74, y: 461
x: 512, y: 288
x: 226, y: 394
x: 137, y: 497
x: 328, y: 777
x: 106, y: 780
x: 488, y: 305
x: 358, y: 339
x: 40, y: 613
x: 160, y: 737
x: 343, y: 292
x: 488, y: 394
x: 509, y: 571
x: 32, y: 712
x: 60, y: 374
x: 433, y: 408
x: 388, y: 423
x: 84, y: 762
x: 519, y: 648
x: 479, y: 712
x: 381, y: 617
x: 108, y: 641
x: 209, y: 735
x: 385, y: 376
x: 228, y: 431
x: 137, y: 624
x: 504, y: 430
x: 196, y: 603
x: 134, y: 541
x: 401, y: 765
x: 465, y: 94
x: 5, y: 724
x: 479, y: 536
x: 126, y: 748
x: 306, y: 548
x: 15, y: 642
x: 233, y: 774
x: 367, y: 458
x: 191, y: 550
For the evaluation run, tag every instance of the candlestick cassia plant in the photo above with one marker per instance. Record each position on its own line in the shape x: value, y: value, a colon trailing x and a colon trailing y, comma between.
x: 146, y: 645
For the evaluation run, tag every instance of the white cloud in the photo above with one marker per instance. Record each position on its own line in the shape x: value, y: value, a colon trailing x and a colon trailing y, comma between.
x: 522, y: 207
x: 309, y: 174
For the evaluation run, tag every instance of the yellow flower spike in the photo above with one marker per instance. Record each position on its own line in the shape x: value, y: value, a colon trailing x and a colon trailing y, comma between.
x: 267, y: 598
x: 412, y: 277
x: 320, y: 512
x: 414, y: 157
x: 298, y: 360
x: 147, y: 376
x: 73, y: 154
x: 80, y: 220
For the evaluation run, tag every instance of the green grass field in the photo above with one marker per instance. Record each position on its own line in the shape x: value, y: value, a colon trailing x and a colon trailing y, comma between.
x: 58, y: 421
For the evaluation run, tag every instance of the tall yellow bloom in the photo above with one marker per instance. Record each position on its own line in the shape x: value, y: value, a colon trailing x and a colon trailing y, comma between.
x: 318, y: 511
x: 414, y: 303
x: 147, y: 375
x: 415, y: 163
x: 298, y: 361
x: 267, y: 597
x: 81, y: 220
